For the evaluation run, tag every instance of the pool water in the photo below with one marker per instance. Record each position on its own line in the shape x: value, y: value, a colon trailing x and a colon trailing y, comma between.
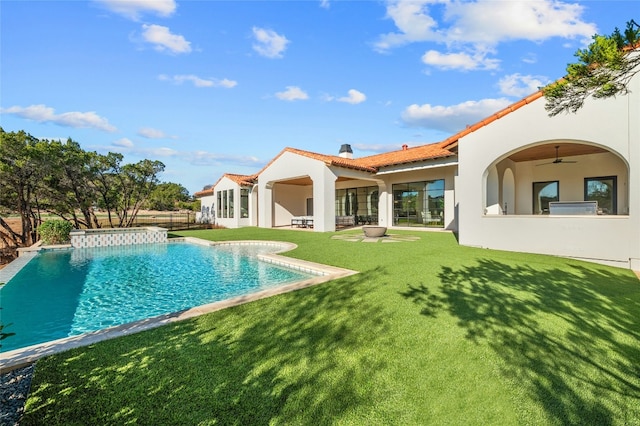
x: 62, y: 293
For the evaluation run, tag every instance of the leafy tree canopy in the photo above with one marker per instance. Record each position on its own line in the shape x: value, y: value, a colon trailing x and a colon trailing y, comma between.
x: 167, y: 196
x: 60, y: 178
x: 604, y: 69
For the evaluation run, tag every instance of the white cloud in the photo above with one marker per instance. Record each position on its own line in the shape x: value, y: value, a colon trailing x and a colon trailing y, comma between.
x: 452, y: 118
x: 327, y: 97
x: 123, y: 143
x: 195, y: 158
x: 132, y: 9
x: 413, y: 21
x: 488, y: 21
x: 163, y: 40
x: 462, y: 61
x: 150, y: 133
x: 199, y: 82
x: 354, y: 97
x: 293, y: 93
x: 44, y: 114
x: 204, y: 158
x: 269, y: 43
x: 483, y: 22
x: 162, y: 152
x: 521, y: 85
x: 477, y: 27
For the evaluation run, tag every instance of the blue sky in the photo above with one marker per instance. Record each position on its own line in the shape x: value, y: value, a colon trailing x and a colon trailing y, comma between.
x: 209, y: 87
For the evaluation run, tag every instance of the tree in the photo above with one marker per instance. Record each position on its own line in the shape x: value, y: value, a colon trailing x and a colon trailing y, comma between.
x: 167, y: 196
x: 603, y: 70
x: 63, y: 179
x: 105, y: 181
x: 69, y: 174
x: 20, y: 178
x: 135, y: 184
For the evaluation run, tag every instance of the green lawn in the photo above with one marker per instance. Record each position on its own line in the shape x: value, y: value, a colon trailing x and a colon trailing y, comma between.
x: 429, y: 332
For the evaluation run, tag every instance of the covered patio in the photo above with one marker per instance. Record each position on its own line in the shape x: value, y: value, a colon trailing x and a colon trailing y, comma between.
x: 559, y: 197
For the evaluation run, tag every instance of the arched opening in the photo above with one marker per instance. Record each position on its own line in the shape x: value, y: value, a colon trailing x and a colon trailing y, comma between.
x: 558, y: 177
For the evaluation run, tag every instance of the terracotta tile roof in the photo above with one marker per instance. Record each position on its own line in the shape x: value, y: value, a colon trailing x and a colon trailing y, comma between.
x: 242, y: 180
x: 406, y: 155
x: 329, y: 160
x: 203, y: 193
x: 335, y: 160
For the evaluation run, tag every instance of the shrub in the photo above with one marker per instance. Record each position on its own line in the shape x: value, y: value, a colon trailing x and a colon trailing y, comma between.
x: 55, y: 231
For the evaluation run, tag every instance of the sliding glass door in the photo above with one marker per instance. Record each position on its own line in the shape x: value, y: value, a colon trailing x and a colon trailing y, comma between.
x: 360, y: 203
x: 419, y: 203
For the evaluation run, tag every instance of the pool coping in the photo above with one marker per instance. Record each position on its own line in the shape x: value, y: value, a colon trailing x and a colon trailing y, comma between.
x: 16, y: 358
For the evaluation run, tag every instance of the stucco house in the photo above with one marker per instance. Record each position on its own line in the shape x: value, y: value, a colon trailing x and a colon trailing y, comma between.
x: 518, y: 180
x: 227, y: 202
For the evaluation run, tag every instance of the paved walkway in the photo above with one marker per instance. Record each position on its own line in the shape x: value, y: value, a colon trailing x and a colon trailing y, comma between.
x: 388, y: 238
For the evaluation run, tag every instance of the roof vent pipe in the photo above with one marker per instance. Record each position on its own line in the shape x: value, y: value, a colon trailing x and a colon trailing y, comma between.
x: 346, y: 151
x: 405, y: 147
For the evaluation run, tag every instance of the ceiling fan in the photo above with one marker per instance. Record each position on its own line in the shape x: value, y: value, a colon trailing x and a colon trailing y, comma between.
x: 558, y: 160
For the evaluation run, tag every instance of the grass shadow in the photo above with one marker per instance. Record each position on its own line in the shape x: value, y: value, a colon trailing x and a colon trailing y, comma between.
x: 272, y: 361
x: 566, y: 339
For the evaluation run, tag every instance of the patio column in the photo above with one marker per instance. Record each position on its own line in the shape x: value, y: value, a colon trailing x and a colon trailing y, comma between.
x: 253, y: 206
x: 324, y: 201
x: 385, y: 205
x: 265, y: 201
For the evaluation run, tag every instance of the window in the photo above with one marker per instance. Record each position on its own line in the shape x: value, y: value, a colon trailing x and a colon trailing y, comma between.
x: 225, y: 205
x: 309, y: 206
x: 361, y: 203
x: 231, y: 191
x: 219, y: 198
x: 244, y: 202
x: 419, y: 203
x: 603, y: 190
x: 543, y: 193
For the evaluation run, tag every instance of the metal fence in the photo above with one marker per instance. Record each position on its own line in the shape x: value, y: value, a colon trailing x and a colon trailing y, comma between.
x: 170, y: 221
x: 173, y: 221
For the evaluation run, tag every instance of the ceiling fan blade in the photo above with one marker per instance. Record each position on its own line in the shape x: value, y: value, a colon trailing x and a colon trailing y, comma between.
x: 557, y: 160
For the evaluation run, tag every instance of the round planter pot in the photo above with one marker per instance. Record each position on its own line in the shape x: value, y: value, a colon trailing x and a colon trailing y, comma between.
x: 373, y: 231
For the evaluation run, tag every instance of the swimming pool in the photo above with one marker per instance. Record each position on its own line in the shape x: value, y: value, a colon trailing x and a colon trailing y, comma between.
x: 62, y: 293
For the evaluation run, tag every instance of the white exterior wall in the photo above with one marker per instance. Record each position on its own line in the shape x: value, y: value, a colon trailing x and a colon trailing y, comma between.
x: 207, y: 211
x: 611, y: 123
x: 277, y: 207
x: 226, y: 184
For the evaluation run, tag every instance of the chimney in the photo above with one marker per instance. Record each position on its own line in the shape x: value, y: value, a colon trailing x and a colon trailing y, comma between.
x: 405, y: 147
x: 345, y: 151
